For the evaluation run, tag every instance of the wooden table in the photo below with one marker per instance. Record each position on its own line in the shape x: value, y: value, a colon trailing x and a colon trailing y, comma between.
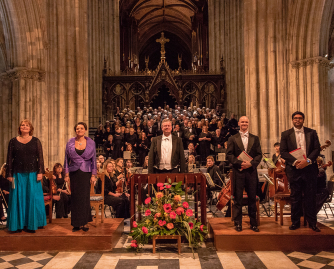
x: 178, y: 237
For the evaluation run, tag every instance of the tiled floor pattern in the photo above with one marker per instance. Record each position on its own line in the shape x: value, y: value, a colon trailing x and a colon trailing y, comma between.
x: 206, y: 257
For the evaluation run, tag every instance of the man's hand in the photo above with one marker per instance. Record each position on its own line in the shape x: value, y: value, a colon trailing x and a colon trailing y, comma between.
x: 302, y: 164
x: 245, y: 165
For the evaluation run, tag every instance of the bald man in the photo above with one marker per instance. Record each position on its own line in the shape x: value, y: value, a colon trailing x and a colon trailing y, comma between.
x: 244, y: 172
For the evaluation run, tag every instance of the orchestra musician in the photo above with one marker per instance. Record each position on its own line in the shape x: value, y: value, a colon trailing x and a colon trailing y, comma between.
x: 302, y: 174
x: 277, y: 154
x: 80, y: 167
x: 215, y: 174
x: 244, y: 172
x: 166, y: 152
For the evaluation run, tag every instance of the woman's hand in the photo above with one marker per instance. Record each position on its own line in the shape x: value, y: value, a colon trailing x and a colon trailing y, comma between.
x: 59, y: 190
x: 127, y: 195
x: 92, y: 179
x: 54, y: 177
x: 10, y: 179
x: 120, y: 176
x: 39, y: 177
x: 67, y: 178
x: 5, y: 192
x: 56, y: 197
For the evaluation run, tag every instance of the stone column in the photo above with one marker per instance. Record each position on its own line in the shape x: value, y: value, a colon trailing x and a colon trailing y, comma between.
x: 226, y: 39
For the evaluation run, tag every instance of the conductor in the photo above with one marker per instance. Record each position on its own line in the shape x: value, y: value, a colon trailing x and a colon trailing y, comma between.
x: 244, y: 172
x: 166, y: 153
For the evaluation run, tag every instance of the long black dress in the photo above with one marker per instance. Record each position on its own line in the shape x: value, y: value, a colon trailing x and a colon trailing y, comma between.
x: 118, y: 144
x: 143, y: 148
x: 204, y: 146
x: 120, y: 204
x: 80, y: 193
x: 107, y: 145
x: 62, y: 206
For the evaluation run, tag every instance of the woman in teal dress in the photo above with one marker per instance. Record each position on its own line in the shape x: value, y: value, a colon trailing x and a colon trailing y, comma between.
x: 26, y: 208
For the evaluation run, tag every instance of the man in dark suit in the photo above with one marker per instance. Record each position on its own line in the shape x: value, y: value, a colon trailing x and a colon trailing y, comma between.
x: 244, y: 172
x: 166, y: 153
x: 302, y: 174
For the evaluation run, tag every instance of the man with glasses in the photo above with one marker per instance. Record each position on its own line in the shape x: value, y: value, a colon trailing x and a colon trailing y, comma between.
x: 302, y: 174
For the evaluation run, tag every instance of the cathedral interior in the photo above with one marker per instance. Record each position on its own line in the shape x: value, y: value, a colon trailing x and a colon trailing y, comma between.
x: 67, y: 61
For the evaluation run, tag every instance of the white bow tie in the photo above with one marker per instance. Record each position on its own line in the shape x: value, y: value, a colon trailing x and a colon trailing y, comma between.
x: 299, y: 131
x: 166, y: 138
x: 244, y: 135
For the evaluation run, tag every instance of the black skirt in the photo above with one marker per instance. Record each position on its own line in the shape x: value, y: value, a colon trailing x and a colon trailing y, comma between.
x: 80, y: 198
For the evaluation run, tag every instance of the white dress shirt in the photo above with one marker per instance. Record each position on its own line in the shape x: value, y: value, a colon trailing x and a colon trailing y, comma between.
x: 244, y: 138
x: 166, y: 152
x: 300, y: 138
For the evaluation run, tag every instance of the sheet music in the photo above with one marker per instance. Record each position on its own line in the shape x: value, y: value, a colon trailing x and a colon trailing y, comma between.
x: 299, y: 154
x: 209, y: 179
x: 270, y: 162
x: 127, y: 155
x: 221, y: 157
x: 244, y: 157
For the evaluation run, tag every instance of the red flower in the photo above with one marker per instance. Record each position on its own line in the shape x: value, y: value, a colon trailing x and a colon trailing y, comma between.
x: 168, y: 186
x: 145, y: 230
x: 134, y: 224
x: 134, y: 241
x: 191, y: 225
x: 167, y: 208
x: 170, y: 226
x: 160, y: 184
x: 157, y: 215
x: 162, y: 223
x: 134, y: 245
x: 185, y: 205
x: 179, y: 211
x: 147, y: 200
x: 172, y: 215
x: 189, y: 212
x: 201, y: 227
x: 161, y: 188
x: 147, y: 212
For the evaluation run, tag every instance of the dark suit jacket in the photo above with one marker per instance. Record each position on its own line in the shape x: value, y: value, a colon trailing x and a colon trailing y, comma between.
x: 177, y: 153
x: 235, y: 147
x: 288, y: 144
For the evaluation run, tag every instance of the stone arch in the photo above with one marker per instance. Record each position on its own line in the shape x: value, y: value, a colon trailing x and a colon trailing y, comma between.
x: 154, y: 90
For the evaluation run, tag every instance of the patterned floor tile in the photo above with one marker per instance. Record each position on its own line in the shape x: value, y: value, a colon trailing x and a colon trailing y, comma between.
x: 300, y: 255
x: 12, y: 257
x: 31, y: 265
x: 5, y: 265
x: 310, y: 264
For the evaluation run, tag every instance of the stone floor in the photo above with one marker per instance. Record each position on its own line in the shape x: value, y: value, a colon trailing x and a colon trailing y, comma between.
x: 206, y: 257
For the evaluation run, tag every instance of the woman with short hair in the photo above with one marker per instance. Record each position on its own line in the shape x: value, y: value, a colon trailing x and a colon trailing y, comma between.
x: 80, y: 167
x: 25, y: 170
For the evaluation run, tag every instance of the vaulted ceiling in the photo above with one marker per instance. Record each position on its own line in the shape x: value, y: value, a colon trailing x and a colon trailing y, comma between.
x: 174, y: 17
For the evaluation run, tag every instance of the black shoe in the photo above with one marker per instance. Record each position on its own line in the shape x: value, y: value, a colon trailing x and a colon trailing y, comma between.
x: 85, y: 229
x: 238, y: 228
x: 30, y: 231
x: 294, y: 226
x: 65, y: 217
x: 75, y: 229
x: 315, y: 228
x: 255, y: 228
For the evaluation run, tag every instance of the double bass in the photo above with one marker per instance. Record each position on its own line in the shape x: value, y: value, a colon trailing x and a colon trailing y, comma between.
x: 224, y: 196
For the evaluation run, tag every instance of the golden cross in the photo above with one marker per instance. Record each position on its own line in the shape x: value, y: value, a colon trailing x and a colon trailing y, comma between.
x: 162, y: 40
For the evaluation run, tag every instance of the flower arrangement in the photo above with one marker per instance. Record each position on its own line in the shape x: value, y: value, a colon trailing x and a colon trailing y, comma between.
x: 166, y: 214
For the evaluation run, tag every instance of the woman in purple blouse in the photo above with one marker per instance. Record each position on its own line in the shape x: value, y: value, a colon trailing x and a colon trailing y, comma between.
x: 80, y: 167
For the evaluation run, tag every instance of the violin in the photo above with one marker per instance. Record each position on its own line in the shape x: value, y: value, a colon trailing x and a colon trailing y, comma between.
x: 328, y: 164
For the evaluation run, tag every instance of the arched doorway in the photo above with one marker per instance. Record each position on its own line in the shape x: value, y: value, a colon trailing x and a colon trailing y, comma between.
x: 163, y: 97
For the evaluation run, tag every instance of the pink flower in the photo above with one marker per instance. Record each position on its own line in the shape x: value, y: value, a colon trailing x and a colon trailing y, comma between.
x: 189, y: 212
x: 167, y: 208
x: 134, y: 241
x: 162, y: 222
x: 168, y: 186
x: 191, y: 225
x: 134, y: 224
x: 172, y: 215
x: 157, y: 215
x: 147, y: 200
x: 134, y: 245
x: 161, y: 188
x: 179, y: 211
x: 159, y: 195
x: 170, y: 226
x: 201, y: 227
x: 144, y: 229
x: 147, y: 212
x: 160, y: 185
x: 185, y: 205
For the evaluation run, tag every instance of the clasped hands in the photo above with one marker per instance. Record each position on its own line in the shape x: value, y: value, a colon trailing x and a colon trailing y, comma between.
x: 301, y: 164
x: 245, y: 165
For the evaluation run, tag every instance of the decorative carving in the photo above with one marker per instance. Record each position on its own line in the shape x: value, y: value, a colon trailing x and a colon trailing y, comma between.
x: 23, y: 73
x: 162, y: 40
x: 310, y: 61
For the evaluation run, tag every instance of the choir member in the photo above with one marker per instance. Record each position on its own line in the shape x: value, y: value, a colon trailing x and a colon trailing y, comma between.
x: 118, y: 144
x: 204, y: 139
x: 108, y: 147
x: 143, y: 148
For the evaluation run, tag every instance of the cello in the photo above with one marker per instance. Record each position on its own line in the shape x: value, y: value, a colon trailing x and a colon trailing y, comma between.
x: 224, y: 196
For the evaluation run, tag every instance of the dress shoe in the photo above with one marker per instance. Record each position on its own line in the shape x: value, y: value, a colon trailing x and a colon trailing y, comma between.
x: 238, y: 228
x: 315, y: 228
x: 294, y: 226
x: 75, y: 229
x: 85, y: 229
x: 255, y: 229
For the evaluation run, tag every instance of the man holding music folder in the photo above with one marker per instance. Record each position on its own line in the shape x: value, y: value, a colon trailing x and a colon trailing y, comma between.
x: 244, y: 153
x: 300, y: 148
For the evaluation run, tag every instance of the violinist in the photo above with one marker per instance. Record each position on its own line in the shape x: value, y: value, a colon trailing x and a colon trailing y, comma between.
x: 277, y: 154
x: 119, y: 201
x: 145, y: 165
x: 62, y: 196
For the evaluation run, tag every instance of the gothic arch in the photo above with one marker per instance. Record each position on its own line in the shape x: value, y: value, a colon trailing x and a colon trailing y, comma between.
x: 172, y: 89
